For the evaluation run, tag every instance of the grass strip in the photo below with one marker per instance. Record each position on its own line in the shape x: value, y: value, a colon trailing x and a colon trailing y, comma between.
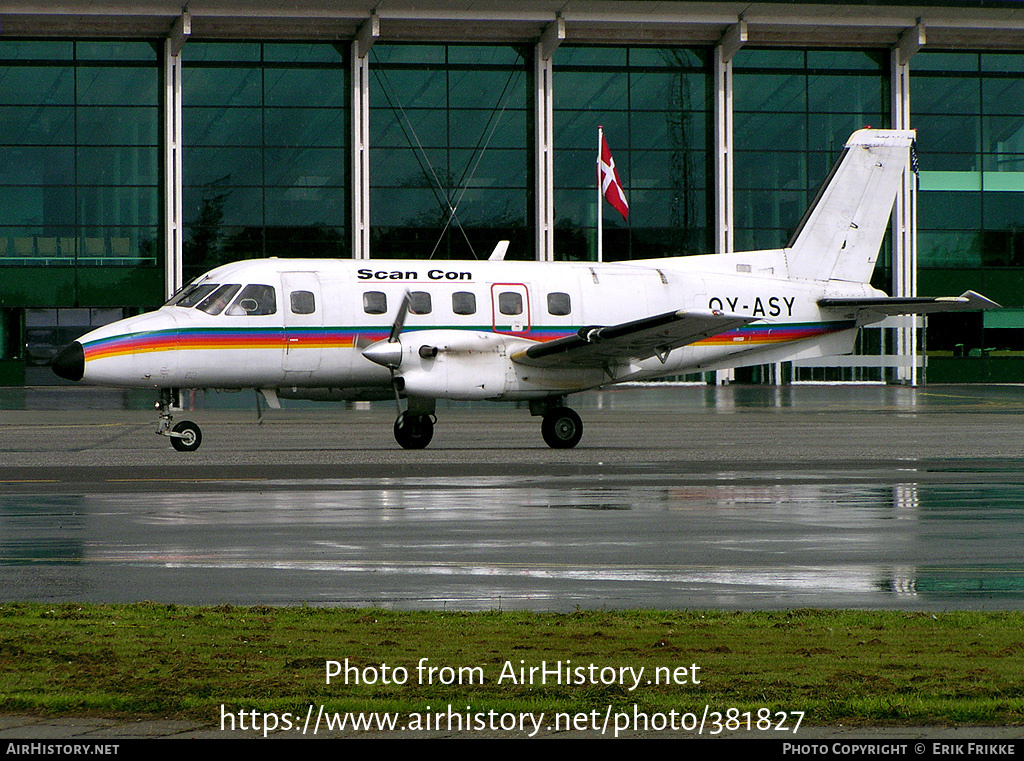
x: 850, y: 667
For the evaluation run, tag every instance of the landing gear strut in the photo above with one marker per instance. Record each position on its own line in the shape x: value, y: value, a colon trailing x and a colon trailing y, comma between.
x: 561, y: 427
x: 186, y: 435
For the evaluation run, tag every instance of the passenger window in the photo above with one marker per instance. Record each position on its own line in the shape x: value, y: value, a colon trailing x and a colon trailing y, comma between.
x: 375, y: 302
x: 254, y: 300
x: 464, y: 302
x: 510, y: 302
x: 220, y: 298
x: 303, y: 302
x: 419, y: 302
x: 559, y: 304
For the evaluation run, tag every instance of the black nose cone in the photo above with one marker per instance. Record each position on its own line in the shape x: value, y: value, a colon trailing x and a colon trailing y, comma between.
x: 70, y: 362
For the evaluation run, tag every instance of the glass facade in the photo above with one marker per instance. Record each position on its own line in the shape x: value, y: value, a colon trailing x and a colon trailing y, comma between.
x: 969, y: 112
x: 454, y: 133
x: 449, y: 151
x: 793, y: 111
x: 79, y: 154
x: 80, y: 192
x: 265, y: 133
x: 655, y: 107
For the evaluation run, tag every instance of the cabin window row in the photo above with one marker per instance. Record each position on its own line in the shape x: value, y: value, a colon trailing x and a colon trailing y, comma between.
x: 510, y: 303
x: 256, y: 299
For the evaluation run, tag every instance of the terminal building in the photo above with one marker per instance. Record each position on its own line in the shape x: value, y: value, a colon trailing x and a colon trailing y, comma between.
x: 143, y: 142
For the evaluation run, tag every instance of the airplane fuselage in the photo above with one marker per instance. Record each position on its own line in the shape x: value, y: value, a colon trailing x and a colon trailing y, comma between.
x: 293, y: 323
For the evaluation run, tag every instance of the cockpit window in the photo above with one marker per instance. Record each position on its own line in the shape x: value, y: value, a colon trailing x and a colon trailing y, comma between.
x: 182, y: 292
x: 189, y: 297
x: 254, y: 300
x: 220, y: 298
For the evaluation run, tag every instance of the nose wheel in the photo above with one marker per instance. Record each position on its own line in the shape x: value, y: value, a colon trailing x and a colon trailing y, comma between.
x: 185, y: 436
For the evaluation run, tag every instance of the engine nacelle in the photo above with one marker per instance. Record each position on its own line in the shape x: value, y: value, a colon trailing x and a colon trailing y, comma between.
x: 456, y: 364
x: 471, y: 365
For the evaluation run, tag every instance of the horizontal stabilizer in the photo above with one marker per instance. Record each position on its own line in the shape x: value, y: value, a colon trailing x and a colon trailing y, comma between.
x: 969, y: 301
x: 598, y: 346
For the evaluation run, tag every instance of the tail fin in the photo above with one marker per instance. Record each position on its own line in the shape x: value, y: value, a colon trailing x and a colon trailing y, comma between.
x: 839, y: 236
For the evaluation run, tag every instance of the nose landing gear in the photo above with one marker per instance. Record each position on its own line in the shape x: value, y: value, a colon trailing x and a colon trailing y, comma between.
x: 185, y: 436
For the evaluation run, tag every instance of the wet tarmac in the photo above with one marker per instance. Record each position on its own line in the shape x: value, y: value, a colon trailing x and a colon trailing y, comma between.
x: 678, y: 497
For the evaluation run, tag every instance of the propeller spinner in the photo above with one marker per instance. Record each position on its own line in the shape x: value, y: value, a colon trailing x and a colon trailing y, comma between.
x: 388, y: 353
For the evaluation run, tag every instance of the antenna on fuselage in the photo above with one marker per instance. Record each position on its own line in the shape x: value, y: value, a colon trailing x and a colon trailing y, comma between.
x: 498, y: 254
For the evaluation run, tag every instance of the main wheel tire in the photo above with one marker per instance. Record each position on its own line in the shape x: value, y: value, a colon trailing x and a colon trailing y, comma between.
x: 562, y: 428
x: 190, y: 439
x: 414, y: 431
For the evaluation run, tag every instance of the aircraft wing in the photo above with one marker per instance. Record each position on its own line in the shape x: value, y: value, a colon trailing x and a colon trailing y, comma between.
x: 601, y: 345
x: 969, y: 301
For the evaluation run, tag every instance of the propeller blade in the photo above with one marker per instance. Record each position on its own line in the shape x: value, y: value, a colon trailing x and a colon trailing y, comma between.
x: 399, y: 323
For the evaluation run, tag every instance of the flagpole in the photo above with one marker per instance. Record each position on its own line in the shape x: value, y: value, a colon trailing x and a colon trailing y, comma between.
x: 600, y: 198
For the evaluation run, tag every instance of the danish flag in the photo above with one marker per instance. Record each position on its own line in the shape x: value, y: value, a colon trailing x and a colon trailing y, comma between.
x: 608, y: 176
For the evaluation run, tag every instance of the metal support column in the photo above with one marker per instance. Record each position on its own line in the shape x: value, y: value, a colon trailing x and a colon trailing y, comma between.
x: 543, y: 154
x: 173, y: 226
x: 733, y: 39
x: 904, y: 223
x: 360, y: 136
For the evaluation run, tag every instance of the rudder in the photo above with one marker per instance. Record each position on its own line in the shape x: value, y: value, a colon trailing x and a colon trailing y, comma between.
x: 841, y: 233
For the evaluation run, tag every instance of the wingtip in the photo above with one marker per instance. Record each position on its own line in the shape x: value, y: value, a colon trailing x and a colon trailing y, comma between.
x: 978, y: 301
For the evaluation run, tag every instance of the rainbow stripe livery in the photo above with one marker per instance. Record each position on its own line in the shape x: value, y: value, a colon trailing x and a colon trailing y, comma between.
x: 346, y: 338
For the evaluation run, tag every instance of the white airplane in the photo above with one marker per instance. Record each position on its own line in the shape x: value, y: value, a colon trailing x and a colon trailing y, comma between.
x: 515, y: 331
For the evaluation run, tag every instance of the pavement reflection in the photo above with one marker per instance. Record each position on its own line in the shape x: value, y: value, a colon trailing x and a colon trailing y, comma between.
x: 810, y: 538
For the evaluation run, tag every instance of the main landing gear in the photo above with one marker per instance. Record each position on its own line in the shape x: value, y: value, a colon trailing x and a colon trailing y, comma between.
x: 414, y: 428
x: 414, y: 431
x: 560, y: 426
x: 186, y: 435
